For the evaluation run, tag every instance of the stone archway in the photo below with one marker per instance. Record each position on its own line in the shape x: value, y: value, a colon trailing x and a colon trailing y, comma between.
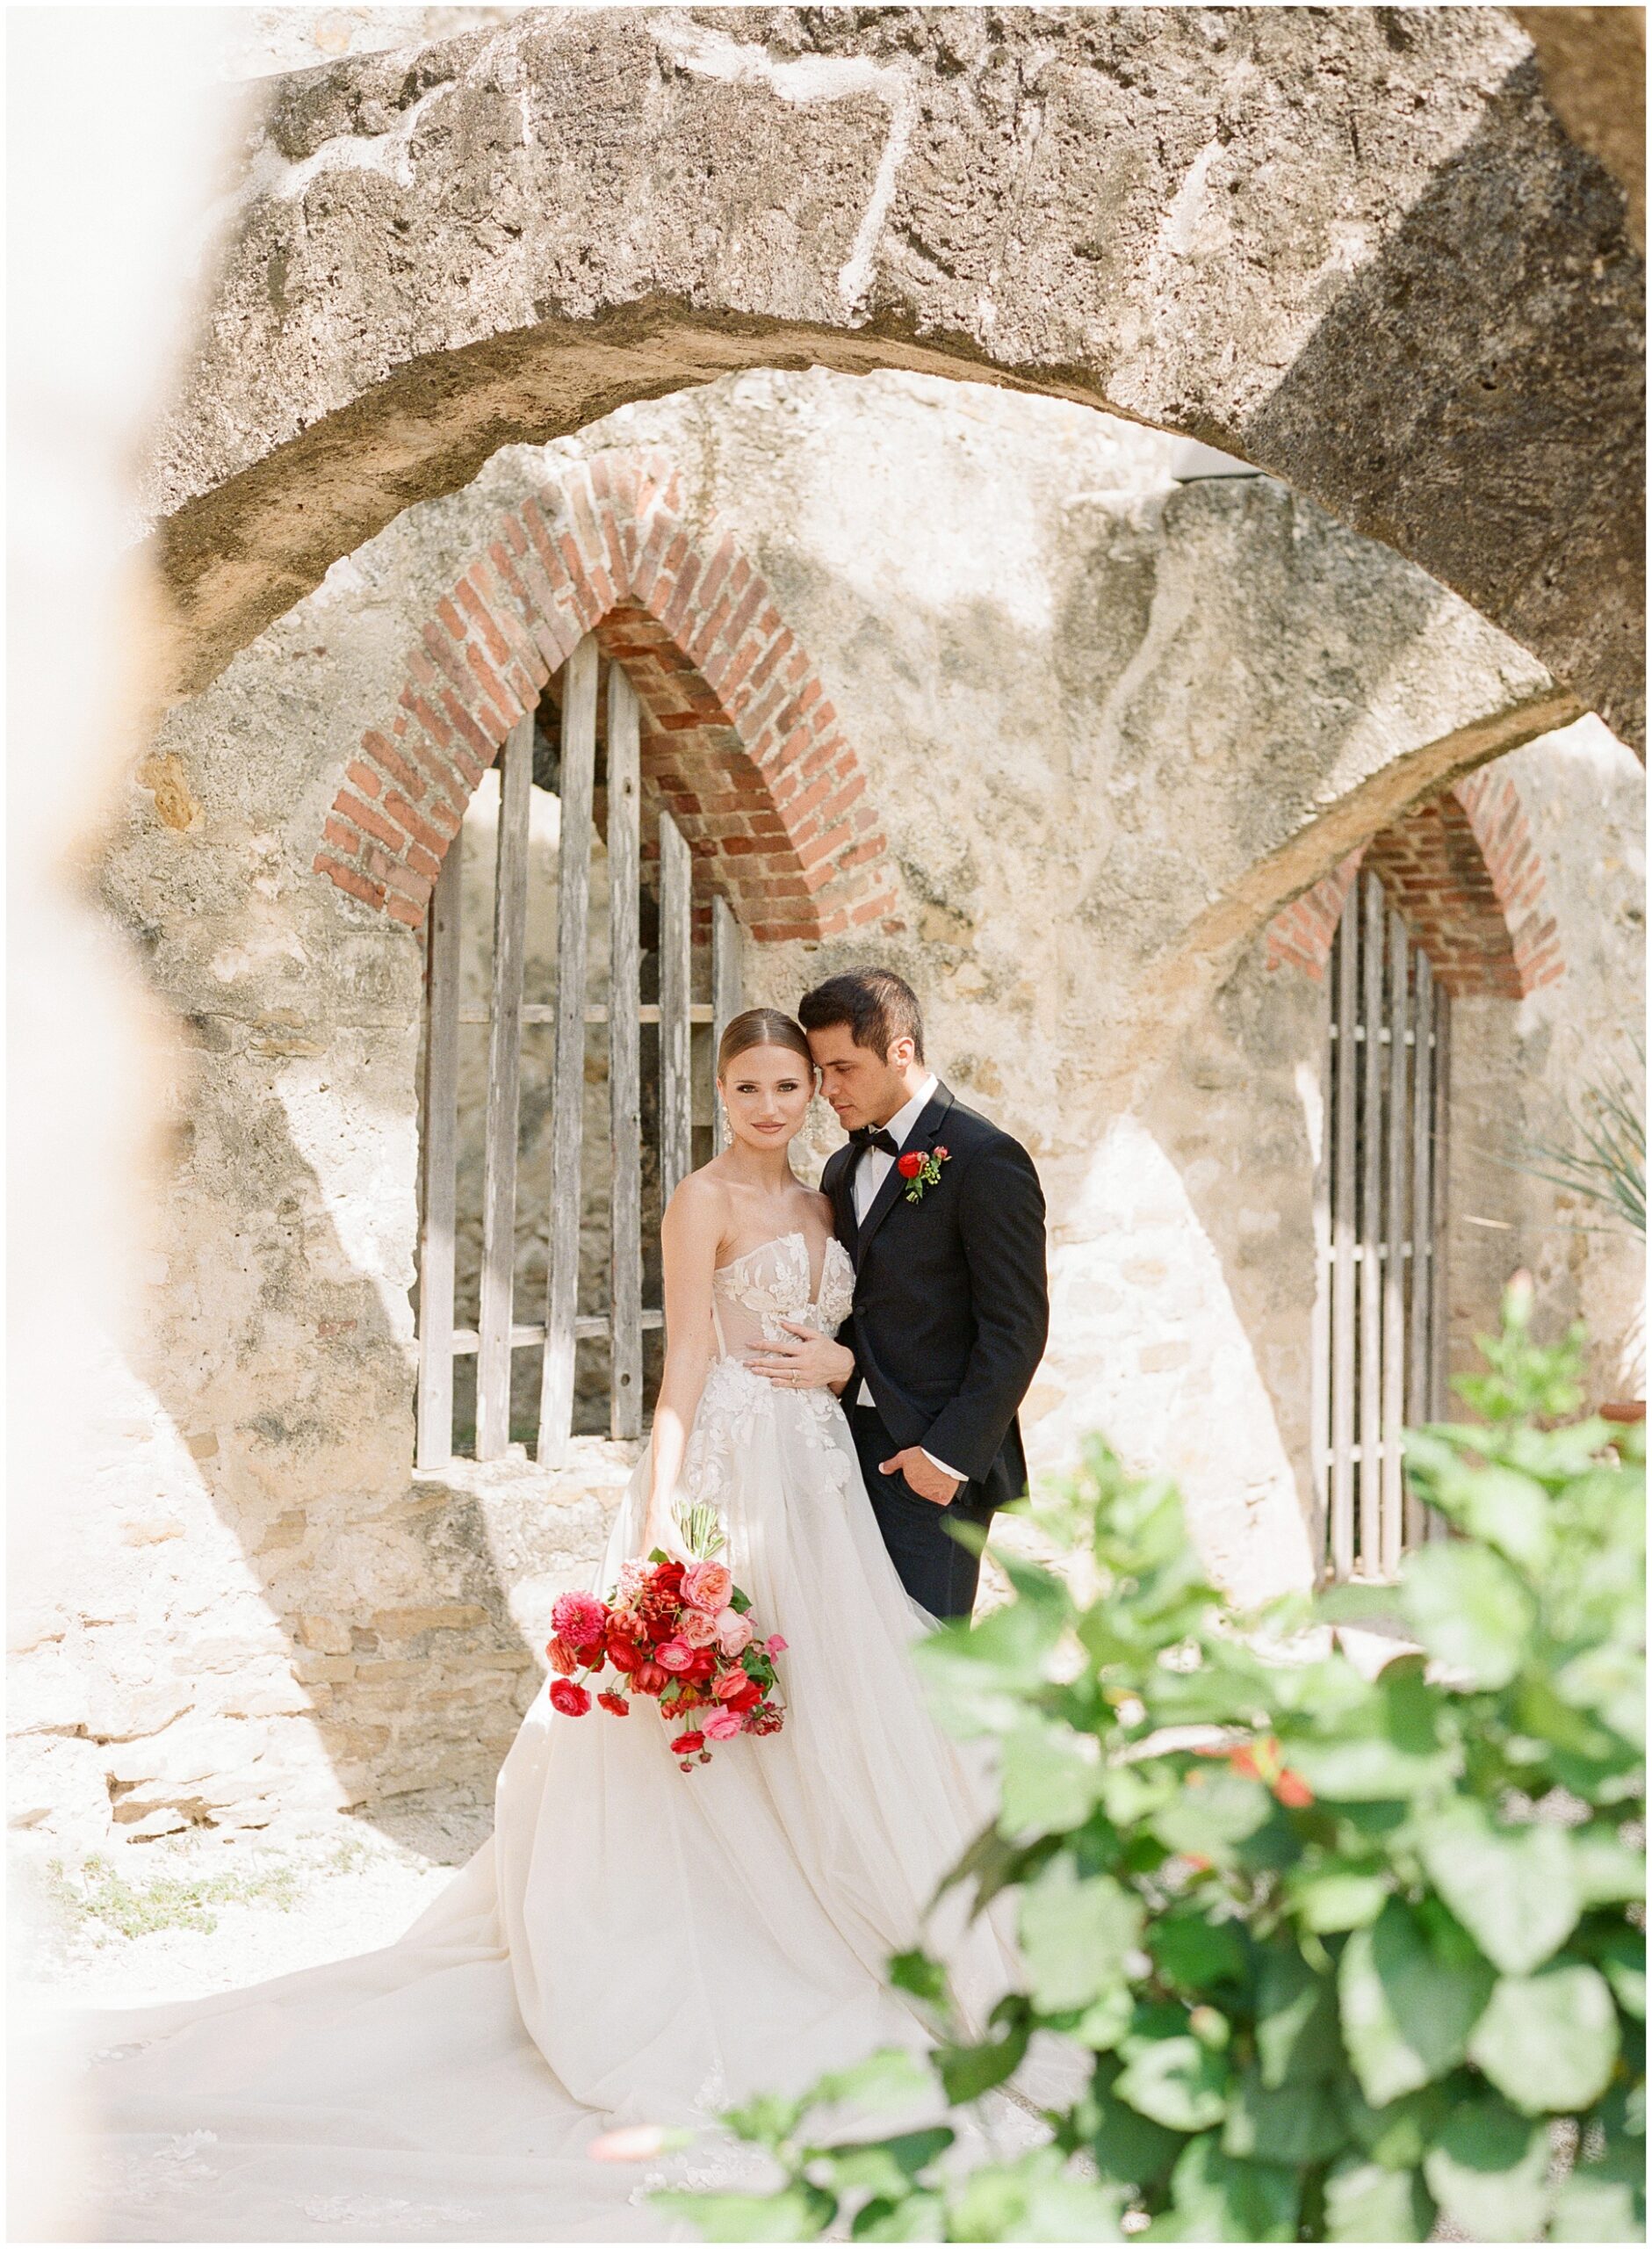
x: 739, y: 737
x: 1350, y: 244
x: 1464, y: 874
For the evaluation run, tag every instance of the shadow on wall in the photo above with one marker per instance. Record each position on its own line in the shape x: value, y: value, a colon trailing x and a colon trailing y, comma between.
x: 1410, y: 300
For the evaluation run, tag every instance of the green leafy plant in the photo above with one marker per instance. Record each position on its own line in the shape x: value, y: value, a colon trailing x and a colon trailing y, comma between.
x: 1605, y: 1160
x: 1349, y: 1954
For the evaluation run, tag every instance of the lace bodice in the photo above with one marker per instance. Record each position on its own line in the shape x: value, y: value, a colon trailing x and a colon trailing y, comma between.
x: 752, y: 1294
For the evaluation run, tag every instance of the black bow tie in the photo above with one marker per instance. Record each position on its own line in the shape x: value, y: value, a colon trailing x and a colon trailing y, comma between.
x: 874, y: 1136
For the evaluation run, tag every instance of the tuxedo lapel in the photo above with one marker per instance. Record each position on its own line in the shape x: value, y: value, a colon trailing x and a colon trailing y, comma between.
x: 841, y: 1190
x: 922, y: 1135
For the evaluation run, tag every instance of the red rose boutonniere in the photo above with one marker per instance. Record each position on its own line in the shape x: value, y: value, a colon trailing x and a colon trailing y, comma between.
x: 920, y: 1171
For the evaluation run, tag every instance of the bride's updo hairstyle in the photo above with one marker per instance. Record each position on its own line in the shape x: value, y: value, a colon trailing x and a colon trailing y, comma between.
x: 762, y: 1027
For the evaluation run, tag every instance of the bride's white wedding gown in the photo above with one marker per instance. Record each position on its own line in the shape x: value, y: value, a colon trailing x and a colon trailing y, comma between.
x: 634, y: 1944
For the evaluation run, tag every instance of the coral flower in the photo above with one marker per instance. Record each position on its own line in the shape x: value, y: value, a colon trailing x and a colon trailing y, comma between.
x: 707, y: 1585
x: 617, y: 1704
x: 675, y: 1655
x: 579, y: 1618
x: 572, y: 1701
x: 697, y: 1628
x: 649, y: 1678
x: 562, y: 1657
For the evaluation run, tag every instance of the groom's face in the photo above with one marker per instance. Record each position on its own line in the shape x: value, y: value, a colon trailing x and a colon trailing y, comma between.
x: 862, y: 1088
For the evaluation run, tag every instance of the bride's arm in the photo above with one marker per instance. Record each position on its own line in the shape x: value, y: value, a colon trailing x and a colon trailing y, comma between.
x: 688, y: 1241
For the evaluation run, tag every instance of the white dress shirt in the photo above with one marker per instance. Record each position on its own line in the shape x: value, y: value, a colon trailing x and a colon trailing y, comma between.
x: 871, y: 1169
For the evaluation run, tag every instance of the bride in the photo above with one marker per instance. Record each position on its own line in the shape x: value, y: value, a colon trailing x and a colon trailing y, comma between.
x: 634, y: 1945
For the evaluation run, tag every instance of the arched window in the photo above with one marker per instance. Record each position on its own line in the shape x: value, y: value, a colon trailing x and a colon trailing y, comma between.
x: 1380, y: 1224
x: 535, y: 1205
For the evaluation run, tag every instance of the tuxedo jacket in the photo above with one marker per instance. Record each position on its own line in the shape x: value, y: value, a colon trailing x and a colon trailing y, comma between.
x: 951, y: 1305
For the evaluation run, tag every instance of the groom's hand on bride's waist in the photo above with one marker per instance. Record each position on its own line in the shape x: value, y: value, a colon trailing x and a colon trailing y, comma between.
x: 806, y: 1360
x: 922, y: 1475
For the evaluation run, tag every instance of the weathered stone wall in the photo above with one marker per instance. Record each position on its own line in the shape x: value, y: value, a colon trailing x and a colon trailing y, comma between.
x: 1108, y: 725
x: 1350, y: 244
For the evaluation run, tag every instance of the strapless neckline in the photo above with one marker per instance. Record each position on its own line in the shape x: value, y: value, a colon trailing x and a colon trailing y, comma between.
x: 795, y: 1233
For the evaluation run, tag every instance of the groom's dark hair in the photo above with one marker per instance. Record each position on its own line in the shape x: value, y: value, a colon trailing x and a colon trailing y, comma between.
x: 878, y: 1006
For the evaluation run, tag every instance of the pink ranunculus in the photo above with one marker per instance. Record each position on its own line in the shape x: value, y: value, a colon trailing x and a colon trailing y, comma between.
x: 675, y: 1655
x: 695, y: 1626
x: 707, y: 1585
x: 734, y: 1631
x: 629, y: 2144
x: 723, y: 1725
x: 774, y: 1645
x: 579, y: 1618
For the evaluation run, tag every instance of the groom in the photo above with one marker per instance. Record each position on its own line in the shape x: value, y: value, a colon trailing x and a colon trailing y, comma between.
x: 944, y: 1217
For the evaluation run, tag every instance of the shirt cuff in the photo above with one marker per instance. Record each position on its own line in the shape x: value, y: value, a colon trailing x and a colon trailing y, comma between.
x: 956, y: 1474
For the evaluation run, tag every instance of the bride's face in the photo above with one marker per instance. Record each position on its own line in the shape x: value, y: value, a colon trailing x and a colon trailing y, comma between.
x: 767, y: 1091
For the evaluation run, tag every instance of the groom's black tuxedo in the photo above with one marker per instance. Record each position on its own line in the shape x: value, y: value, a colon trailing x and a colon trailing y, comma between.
x: 950, y: 1316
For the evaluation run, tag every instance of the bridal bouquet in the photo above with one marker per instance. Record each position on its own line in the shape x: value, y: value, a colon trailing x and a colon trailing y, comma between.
x: 682, y: 1634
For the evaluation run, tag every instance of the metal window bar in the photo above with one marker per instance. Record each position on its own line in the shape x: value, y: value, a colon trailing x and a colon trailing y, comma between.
x: 1380, y: 1217
x: 499, y: 1332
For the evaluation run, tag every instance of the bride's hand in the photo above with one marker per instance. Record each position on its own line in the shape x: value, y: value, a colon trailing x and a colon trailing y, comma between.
x: 811, y: 1362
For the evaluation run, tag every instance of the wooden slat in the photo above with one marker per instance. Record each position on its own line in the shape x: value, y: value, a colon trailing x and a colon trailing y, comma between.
x: 1319, y: 1342
x: 1439, y: 1316
x: 439, y: 1165
x: 1342, y: 1246
x: 589, y: 1328
x: 676, y: 939
x: 574, y: 909
x: 727, y: 984
x: 1394, y: 1233
x: 624, y: 1054
x: 1370, y: 1379
x: 542, y: 1011
x: 504, y: 1090
x: 1418, y: 1385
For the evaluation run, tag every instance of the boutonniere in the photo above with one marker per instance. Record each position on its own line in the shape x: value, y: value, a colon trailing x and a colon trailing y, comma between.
x: 920, y: 1171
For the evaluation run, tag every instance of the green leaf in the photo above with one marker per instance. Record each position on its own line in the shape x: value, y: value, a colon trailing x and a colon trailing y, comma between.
x: 1548, y: 2041
x: 1512, y: 1888
x: 1608, y: 1872
x: 921, y: 1974
x: 1399, y: 2135
x: 1621, y: 1954
x: 1330, y: 1898
x: 914, y: 2217
x: 1130, y: 2149
x: 1105, y: 2021
x: 1034, y: 2199
x: 1365, y: 2201
x: 1611, y: 1682
x: 1220, y: 2198
x: 1194, y: 1952
x: 1215, y: 1814
x: 1406, y: 2011
x: 1488, y: 2171
x: 1369, y: 1770
x: 885, y: 2078
x: 797, y: 2213
x: 1296, y: 2032
x: 887, y: 2167
x: 1470, y: 1610
x: 766, y: 2118
x: 1499, y: 1505
x: 1606, y: 2200
x: 1075, y: 1931
x: 1175, y: 2082
x: 1299, y: 2124
x: 968, y: 2072
x: 1050, y: 1784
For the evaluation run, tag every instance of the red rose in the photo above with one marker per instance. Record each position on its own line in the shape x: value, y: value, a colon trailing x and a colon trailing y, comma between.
x: 562, y: 1657
x: 703, y: 1666
x: 686, y: 1744
x: 910, y: 1165
x: 572, y: 1701
x: 617, y: 1704
x: 650, y: 1678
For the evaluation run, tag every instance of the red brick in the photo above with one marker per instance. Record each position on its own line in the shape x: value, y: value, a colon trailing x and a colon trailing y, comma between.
x: 397, y: 767
x: 469, y: 595
x: 370, y: 893
x: 399, y: 809
x: 403, y: 909
x: 334, y: 830
x: 369, y: 822
x: 367, y: 780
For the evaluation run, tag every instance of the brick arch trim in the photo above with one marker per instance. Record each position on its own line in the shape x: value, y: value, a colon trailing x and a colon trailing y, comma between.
x: 1464, y: 874
x: 739, y: 737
